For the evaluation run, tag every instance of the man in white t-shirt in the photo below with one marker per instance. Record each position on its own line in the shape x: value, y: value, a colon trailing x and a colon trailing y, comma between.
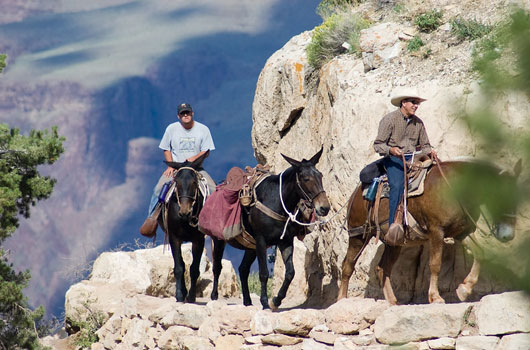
x: 185, y: 140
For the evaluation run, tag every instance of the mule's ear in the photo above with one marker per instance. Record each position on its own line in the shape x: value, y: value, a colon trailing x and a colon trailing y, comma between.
x: 198, y: 162
x: 173, y: 165
x: 518, y: 168
x: 291, y: 161
x: 314, y: 160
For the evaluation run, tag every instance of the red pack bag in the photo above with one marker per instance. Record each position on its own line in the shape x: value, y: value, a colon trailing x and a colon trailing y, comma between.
x: 221, y: 215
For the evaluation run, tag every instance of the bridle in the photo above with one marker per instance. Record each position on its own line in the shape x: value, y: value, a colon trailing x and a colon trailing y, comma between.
x: 304, y: 193
x: 292, y: 217
x: 194, y: 197
x: 194, y: 209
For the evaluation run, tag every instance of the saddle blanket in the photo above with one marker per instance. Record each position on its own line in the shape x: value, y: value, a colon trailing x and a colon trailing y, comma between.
x: 415, y: 185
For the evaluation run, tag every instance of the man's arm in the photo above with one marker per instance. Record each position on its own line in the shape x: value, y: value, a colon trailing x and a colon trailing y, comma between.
x: 192, y: 159
x: 169, y: 158
x: 424, y: 141
x: 383, y: 135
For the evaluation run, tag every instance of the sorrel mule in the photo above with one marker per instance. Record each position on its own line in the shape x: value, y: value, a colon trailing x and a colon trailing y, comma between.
x: 281, y: 194
x: 442, y: 217
x: 180, y: 218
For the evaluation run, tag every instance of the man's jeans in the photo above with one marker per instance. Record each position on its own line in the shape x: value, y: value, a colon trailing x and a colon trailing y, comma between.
x: 163, y: 179
x: 394, y: 171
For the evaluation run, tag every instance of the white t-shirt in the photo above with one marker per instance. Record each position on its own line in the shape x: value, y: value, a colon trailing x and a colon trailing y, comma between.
x: 184, y: 143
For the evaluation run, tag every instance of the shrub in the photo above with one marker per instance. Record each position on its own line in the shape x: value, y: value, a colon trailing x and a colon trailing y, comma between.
x: 254, y: 284
x: 415, y: 44
x: 329, y: 36
x: 468, y: 29
x: 86, y: 330
x: 398, y: 8
x: 327, y: 7
x: 429, y: 21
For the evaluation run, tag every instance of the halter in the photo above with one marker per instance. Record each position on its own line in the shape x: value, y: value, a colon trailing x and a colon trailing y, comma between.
x: 307, y: 197
x: 194, y: 197
x: 292, y: 217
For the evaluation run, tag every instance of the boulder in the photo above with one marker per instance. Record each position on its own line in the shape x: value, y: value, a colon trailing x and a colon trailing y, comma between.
x: 504, y: 313
x: 349, y: 316
x: 410, y: 323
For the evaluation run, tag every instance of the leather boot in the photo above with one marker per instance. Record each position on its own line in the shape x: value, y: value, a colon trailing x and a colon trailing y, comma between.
x: 148, y: 229
x: 395, y: 235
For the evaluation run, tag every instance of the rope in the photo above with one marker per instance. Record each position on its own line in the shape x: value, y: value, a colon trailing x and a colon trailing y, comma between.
x: 292, y: 217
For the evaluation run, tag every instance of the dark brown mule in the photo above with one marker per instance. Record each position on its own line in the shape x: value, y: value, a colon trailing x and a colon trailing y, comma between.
x: 179, y: 221
x: 442, y: 217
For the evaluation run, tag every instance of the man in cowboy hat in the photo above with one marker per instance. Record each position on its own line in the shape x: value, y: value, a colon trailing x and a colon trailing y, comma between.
x: 185, y: 140
x: 401, y: 133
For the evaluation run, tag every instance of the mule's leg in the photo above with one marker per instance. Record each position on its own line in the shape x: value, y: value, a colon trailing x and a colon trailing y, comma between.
x: 244, y: 270
x: 464, y: 289
x: 197, y: 249
x: 348, y: 265
x: 178, y: 268
x: 384, y: 270
x: 218, y: 249
x: 436, y: 245
x: 287, y: 257
x: 261, y: 252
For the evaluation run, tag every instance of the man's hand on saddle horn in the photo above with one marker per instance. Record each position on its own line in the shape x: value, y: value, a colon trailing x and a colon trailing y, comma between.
x: 395, y: 151
x: 169, y: 172
x: 433, y: 155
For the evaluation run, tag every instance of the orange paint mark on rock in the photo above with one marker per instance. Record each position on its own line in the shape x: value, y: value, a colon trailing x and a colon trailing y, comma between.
x: 299, y: 67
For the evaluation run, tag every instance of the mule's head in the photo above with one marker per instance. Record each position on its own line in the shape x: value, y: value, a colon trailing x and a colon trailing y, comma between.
x: 186, y: 179
x: 503, y: 207
x: 309, y: 181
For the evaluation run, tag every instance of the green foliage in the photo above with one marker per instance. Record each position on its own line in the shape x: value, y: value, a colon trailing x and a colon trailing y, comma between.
x: 86, y: 330
x: 21, y: 186
x: 502, y: 61
x: 254, y: 284
x: 327, y: 7
x: 468, y: 29
x: 429, y: 21
x: 502, y: 58
x: 2, y: 62
x: 415, y: 44
x: 18, y: 324
x: 328, y: 38
x: 398, y: 8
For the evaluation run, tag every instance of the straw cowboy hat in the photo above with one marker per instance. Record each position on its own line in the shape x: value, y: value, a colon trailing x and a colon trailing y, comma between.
x: 404, y: 93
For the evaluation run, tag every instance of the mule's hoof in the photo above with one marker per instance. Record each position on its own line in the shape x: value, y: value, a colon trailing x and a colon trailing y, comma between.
x: 214, y: 296
x: 190, y: 299
x: 462, y: 293
x: 437, y: 300
x: 273, y: 306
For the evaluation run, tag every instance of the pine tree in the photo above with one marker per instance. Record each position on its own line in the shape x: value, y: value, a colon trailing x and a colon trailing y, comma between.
x: 21, y: 186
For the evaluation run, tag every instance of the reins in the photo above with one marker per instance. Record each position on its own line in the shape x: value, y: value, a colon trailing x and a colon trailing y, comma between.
x: 194, y: 197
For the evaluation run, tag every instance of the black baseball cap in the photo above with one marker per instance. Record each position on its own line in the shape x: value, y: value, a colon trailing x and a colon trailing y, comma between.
x: 184, y: 107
